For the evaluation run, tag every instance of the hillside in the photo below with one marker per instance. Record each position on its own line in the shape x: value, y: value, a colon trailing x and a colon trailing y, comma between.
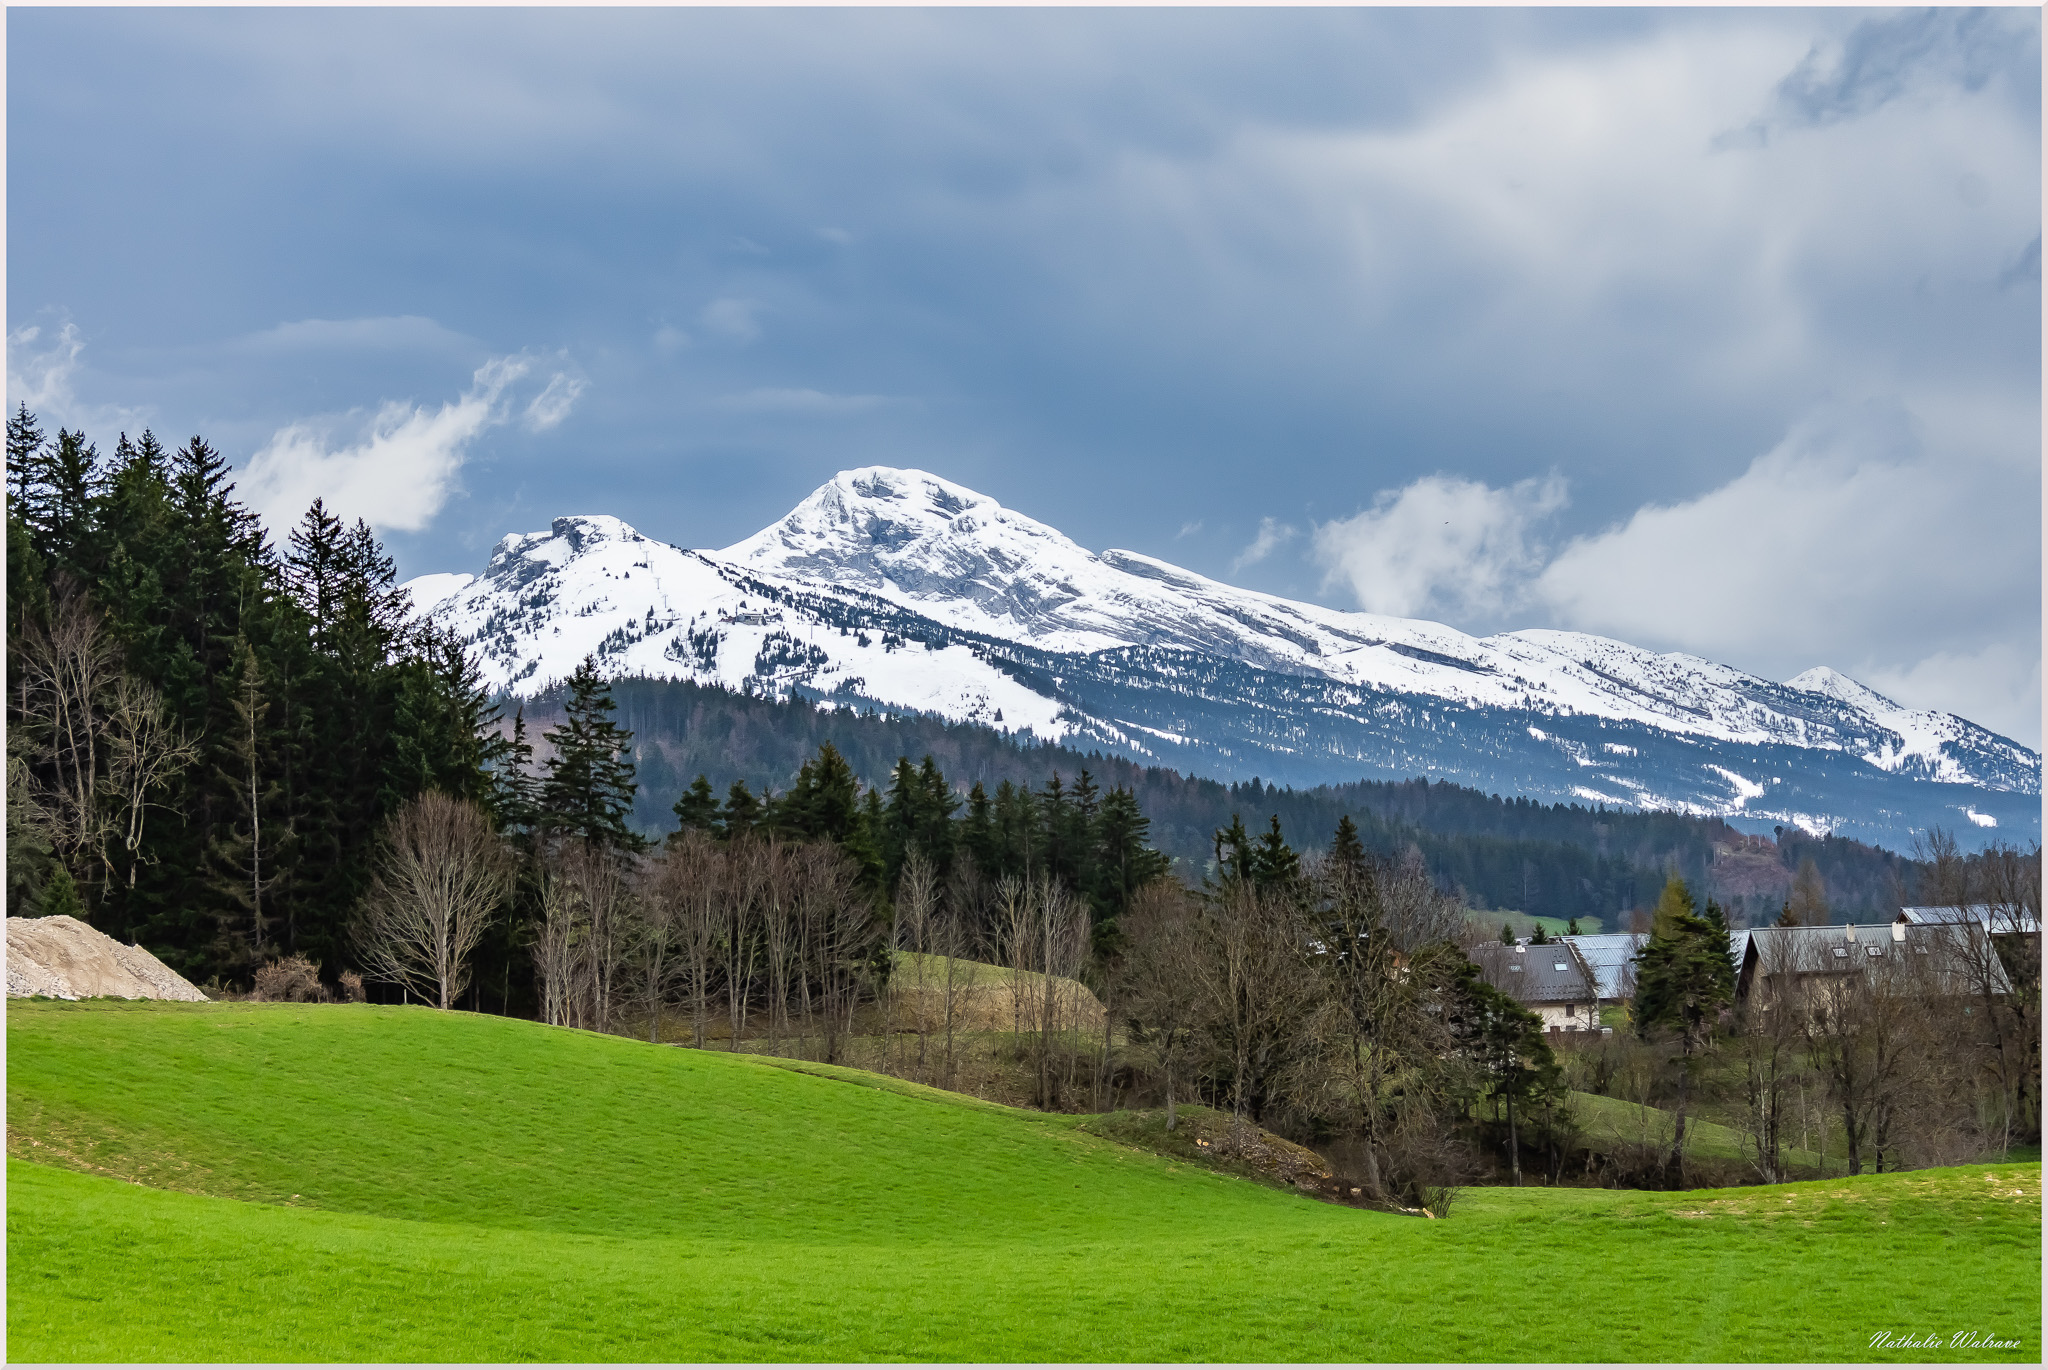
x: 1551, y: 860
x: 227, y: 1182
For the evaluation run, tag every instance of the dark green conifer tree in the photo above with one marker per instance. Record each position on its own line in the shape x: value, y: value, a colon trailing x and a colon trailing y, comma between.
x: 742, y: 811
x: 1233, y: 852
x: 1126, y: 863
x: 589, y: 786
x: 1685, y: 977
x: 978, y: 830
x: 1274, y: 864
x: 696, y: 811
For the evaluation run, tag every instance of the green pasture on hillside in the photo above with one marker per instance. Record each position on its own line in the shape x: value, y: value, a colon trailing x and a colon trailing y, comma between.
x: 1607, y: 1121
x: 278, y: 1182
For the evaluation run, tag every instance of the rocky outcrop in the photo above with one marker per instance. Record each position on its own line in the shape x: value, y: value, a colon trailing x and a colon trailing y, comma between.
x: 62, y: 958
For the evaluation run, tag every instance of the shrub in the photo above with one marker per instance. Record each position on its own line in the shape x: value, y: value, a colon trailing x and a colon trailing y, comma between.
x: 352, y: 987
x: 292, y: 980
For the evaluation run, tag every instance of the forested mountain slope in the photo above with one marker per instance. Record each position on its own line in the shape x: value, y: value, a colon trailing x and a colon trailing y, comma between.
x: 1549, y: 860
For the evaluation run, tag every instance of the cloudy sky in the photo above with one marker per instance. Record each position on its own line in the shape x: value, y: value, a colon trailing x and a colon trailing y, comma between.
x: 1714, y: 331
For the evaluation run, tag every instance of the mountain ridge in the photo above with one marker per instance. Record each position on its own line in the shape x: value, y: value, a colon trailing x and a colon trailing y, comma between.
x: 895, y: 589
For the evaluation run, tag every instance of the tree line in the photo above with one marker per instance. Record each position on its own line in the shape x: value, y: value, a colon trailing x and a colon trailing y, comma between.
x: 1545, y: 860
x: 206, y: 729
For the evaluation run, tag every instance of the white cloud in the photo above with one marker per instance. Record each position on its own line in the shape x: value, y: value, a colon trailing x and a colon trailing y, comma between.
x: 553, y: 404
x: 1273, y: 535
x: 1999, y: 687
x: 389, y: 333
x: 42, y: 366
x: 793, y: 400
x: 1188, y: 529
x: 1869, y: 539
x: 1887, y: 543
x: 1442, y: 545
x: 403, y: 468
x: 40, y: 377
x: 733, y: 319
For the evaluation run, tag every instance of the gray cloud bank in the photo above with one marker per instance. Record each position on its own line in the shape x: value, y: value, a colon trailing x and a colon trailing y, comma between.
x: 1718, y: 330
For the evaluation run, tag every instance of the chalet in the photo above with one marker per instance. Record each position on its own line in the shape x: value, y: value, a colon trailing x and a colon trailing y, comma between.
x: 1941, y: 958
x: 1559, y: 993
x: 1550, y: 979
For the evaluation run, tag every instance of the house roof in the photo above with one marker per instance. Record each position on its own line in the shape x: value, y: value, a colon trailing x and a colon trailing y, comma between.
x: 1553, y: 973
x: 2000, y: 918
x: 1611, y: 958
x: 1860, y: 948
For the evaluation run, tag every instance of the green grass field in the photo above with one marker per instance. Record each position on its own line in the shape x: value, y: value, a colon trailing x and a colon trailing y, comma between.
x: 276, y: 1182
x: 1606, y: 1121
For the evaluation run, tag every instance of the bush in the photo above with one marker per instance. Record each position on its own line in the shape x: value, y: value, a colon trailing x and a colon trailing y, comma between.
x: 352, y: 987
x: 292, y: 980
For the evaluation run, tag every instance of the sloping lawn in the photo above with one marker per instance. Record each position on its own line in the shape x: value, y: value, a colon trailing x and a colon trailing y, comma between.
x: 235, y: 1182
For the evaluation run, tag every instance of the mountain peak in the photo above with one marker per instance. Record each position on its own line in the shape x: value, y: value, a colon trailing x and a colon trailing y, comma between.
x: 881, y: 512
x: 1832, y: 683
x: 581, y: 531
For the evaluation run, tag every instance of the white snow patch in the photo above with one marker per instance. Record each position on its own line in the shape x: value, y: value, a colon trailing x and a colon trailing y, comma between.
x: 430, y: 592
x: 1745, y: 788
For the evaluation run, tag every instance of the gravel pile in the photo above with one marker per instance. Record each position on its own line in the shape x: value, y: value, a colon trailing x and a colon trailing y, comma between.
x: 62, y: 958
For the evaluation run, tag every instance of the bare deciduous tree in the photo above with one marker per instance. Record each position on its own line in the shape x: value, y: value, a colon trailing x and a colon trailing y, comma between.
x: 690, y: 878
x: 915, y: 929
x: 751, y: 867
x: 602, y: 894
x: 554, y: 946
x: 145, y: 751
x: 1159, y: 984
x: 441, y: 875
x: 65, y: 675
x: 1768, y: 1043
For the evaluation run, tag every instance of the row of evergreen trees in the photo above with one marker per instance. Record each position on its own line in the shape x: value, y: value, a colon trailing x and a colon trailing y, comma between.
x: 1094, y: 843
x: 205, y: 729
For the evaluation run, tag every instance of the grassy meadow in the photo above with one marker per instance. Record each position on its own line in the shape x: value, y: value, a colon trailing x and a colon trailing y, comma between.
x: 284, y: 1182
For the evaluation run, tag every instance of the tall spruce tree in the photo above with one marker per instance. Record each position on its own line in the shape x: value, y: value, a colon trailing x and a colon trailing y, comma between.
x: 1274, y: 864
x: 1125, y: 861
x: 1685, y: 977
x: 589, y: 787
x: 696, y: 811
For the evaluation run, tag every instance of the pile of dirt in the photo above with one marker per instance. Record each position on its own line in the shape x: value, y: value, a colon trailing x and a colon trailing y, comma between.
x: 62, y: 958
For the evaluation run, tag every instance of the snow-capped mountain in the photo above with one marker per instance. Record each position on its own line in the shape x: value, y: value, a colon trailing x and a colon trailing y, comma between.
x: 901, y: 590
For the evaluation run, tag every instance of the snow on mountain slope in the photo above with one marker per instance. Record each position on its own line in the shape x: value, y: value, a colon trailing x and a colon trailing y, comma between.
x: 900, y: 589
x: 958, y: 557
x: 593, y: 586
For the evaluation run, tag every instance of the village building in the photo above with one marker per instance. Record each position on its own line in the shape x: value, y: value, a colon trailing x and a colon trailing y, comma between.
x: 1598, y: 973
x: 1549, y: 979
x: 1941, y: 958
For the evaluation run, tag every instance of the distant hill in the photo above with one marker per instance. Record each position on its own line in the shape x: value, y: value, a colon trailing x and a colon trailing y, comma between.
x: 1546, y: 860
